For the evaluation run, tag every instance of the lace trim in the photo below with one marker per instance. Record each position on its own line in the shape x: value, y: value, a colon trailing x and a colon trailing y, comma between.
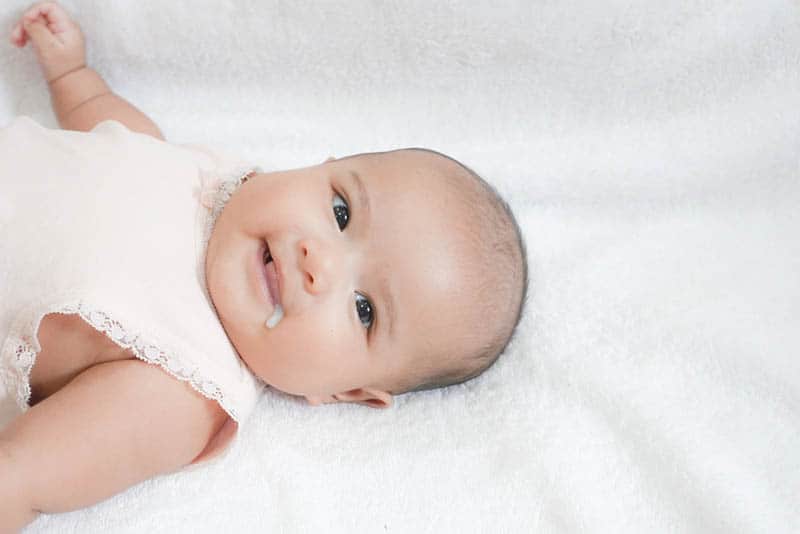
x: 226, y: 189
x: 21, y: 362
x: 15, y: 371
x: 220, y: 190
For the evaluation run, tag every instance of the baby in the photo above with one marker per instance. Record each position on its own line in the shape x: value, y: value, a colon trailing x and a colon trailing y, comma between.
x: 354, y: 280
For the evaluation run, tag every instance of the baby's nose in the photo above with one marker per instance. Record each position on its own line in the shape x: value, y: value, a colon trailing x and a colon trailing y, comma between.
x: 317, y: 265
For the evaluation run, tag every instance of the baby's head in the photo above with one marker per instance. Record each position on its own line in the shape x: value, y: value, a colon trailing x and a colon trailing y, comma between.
x: 396, y: 271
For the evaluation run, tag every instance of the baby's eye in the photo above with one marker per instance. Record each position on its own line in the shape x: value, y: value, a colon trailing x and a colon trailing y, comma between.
x: 364, y: 310
x: 340, y: 211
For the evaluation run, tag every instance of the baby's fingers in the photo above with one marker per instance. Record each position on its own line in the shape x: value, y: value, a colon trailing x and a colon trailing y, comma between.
x: 41, y: 36
x: 52, y: 16
x: 52, y: 13
x: 18, y: 36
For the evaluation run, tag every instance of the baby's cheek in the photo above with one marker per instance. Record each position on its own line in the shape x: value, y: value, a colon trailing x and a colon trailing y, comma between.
x: 322, y: 341
x: 317, y: 335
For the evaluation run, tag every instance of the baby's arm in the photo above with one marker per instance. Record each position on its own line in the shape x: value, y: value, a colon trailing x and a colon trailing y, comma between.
x: 80, y: 97
x: 113, y: 426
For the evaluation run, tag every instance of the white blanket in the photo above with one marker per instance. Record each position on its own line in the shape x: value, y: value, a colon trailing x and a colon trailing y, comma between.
x: 651, y: 151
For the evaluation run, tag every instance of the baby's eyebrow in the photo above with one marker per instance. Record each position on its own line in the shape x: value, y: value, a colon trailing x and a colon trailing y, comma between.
x: 387, y: 297
x: 363, y: 197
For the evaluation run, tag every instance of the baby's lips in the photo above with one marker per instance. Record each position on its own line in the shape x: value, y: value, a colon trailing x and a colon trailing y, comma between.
x: 272, y: 282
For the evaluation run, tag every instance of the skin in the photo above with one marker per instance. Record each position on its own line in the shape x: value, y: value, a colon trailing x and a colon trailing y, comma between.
x: 321, y: 349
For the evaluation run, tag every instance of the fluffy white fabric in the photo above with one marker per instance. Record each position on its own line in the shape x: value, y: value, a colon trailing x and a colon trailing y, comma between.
x: 650, y: 150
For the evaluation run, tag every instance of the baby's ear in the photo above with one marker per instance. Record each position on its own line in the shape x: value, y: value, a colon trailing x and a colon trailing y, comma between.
x: 368, y: 397
x: 374, y: 398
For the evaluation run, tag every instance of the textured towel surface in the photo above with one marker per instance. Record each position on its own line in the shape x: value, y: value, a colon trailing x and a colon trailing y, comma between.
x: 651, y: 151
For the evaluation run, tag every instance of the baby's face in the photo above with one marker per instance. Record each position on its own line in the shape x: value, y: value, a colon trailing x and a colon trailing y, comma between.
x: 367, y: 274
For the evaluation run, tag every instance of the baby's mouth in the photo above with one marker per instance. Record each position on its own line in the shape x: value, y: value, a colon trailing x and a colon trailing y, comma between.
x: 273, y: 285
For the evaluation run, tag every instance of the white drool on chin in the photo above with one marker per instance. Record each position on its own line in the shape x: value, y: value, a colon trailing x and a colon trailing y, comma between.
x: 276, y: 317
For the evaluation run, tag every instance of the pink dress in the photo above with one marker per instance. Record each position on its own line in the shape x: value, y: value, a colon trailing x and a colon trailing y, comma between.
x: 112, y: 225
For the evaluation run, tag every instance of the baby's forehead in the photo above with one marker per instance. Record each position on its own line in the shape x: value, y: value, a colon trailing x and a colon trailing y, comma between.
x: 416, y: 172
x: 411, y: 159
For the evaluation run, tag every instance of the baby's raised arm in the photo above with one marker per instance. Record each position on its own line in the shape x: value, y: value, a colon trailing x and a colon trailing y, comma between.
x: 80, y: 97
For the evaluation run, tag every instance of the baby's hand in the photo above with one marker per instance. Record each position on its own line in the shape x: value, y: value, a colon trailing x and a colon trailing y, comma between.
x: 58, y: 40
